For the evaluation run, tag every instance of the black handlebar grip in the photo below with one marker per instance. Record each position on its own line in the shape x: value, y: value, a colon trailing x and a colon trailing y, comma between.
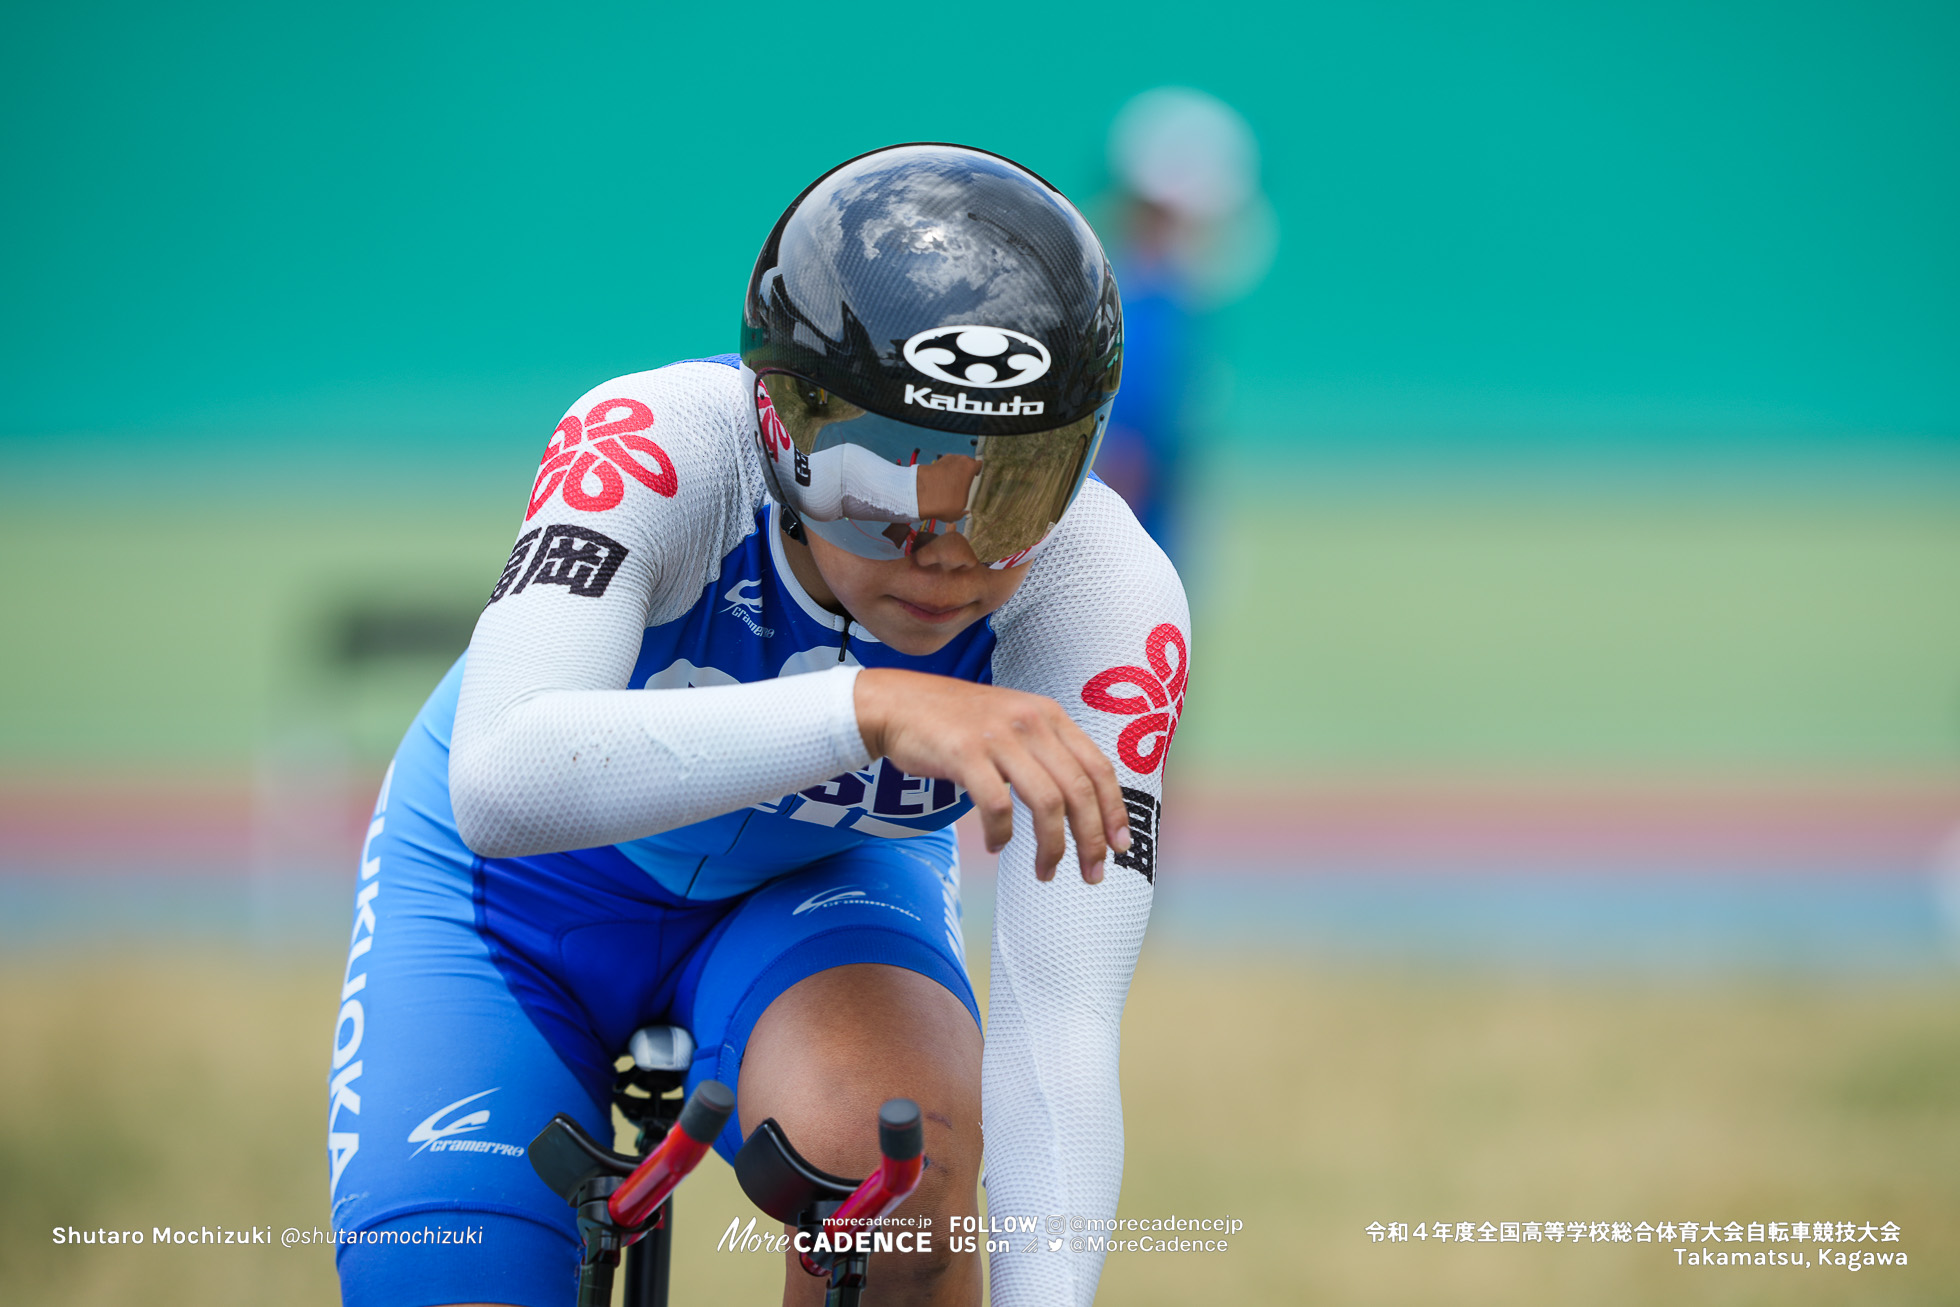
x: 707, y: 1110
x: 901, y: 1130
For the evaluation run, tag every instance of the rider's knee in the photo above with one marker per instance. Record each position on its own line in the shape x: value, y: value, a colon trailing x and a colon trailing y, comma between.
x: 909, y: 1038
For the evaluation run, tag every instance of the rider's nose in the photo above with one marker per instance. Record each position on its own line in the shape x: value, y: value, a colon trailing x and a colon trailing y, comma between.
x: 946, y: 552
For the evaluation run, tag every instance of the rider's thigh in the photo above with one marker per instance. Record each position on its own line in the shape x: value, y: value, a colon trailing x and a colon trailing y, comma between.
x: 438, y: 1080
x: 893, y: 902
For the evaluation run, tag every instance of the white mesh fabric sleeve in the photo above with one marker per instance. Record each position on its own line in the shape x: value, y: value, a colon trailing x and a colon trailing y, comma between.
x: 851, y: 481
x: 646, y: 485
x: 1101, y: 612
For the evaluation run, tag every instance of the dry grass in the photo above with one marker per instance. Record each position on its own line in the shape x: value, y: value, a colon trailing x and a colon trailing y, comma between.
x: 1371, y: 1097
x: 166, y: 1088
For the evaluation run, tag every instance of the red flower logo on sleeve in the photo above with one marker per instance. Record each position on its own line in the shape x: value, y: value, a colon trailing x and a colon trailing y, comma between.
x: 589, y: 478
x: 1157, y: 700
x: 775, y: 436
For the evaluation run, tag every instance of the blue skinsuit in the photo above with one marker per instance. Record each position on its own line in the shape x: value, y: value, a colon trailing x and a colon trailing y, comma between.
x: 482, y: 995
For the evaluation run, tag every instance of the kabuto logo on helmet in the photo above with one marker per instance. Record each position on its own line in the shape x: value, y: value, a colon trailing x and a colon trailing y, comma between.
x: 986, y: 357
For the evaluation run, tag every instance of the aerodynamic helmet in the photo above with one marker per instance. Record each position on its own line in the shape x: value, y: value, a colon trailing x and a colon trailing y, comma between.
x: 920, y: 303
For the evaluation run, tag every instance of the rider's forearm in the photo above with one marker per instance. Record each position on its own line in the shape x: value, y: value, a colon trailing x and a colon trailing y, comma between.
x: 1063, y: 955
x: 571, y: 769
x: 1102, y: 628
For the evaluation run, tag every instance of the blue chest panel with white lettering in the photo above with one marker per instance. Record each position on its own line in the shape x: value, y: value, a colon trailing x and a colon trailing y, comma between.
x: 751, y: 624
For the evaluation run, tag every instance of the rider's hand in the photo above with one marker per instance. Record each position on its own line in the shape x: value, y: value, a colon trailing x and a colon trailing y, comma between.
x: 987, y: 739
x: 944, y: 485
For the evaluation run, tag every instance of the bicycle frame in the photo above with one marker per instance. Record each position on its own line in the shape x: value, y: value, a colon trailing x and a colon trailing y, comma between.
x: 624, y: 1203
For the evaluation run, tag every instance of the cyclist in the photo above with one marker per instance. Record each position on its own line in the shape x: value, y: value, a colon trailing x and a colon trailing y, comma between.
x: 771, y: 623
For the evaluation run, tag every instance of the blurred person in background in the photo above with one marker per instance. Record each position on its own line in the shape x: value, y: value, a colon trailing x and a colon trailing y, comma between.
x: 1193, y: 232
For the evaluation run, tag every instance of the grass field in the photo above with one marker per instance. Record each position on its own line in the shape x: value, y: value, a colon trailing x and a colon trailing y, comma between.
x: 1545, y: 632
x: 163, y: 1088
x: 1389, y: 631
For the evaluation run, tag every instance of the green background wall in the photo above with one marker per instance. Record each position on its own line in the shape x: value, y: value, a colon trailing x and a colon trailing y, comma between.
x: 443, y: 219
x: 1613, y: 348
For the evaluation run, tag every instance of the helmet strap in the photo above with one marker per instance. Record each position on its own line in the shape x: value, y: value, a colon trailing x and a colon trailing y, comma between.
x: 794, y: 526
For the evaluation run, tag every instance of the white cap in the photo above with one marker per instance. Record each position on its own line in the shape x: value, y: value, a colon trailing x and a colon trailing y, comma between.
x: 1186, y: 150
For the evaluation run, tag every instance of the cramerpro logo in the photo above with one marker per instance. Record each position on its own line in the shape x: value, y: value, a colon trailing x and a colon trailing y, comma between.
x: 825, y: 899
x: 985, y: 357
x: 855, y: 898
x: 432, y: 1135
x: 747, y: 607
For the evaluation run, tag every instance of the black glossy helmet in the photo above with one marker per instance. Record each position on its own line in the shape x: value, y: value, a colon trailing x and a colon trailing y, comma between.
x: 920, y: 302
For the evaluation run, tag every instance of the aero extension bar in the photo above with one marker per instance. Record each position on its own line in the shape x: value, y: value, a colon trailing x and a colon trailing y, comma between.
x: 623, y: 1202
x: 834, y: 1216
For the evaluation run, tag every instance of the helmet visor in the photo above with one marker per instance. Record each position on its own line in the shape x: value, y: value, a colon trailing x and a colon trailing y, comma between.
x: 876, y: 486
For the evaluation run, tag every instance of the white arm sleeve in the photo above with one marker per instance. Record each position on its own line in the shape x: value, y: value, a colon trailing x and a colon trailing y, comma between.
x: 851, y: 481
x: 1092, y: 616
x: 646, y: 485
